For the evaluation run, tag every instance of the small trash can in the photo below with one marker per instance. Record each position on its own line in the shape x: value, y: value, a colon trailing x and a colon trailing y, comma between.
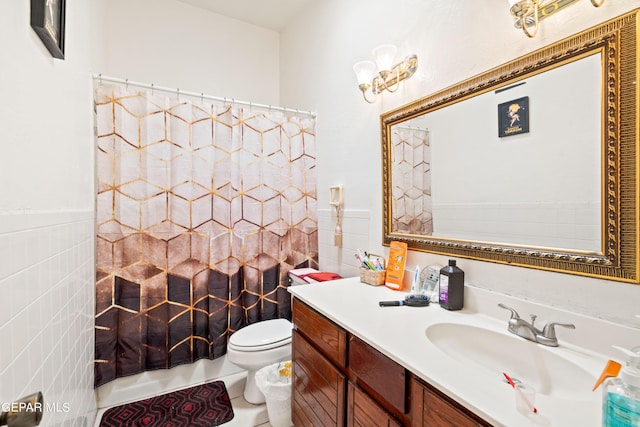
x: 274, y: 381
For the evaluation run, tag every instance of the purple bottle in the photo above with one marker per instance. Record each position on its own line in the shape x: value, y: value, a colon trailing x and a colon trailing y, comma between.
x: 451, y: 287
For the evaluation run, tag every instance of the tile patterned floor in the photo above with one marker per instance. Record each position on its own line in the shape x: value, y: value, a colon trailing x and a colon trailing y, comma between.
x: 245, y: 414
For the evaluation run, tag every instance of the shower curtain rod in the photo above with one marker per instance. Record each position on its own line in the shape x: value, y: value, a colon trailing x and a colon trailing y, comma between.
x: 151, y: 86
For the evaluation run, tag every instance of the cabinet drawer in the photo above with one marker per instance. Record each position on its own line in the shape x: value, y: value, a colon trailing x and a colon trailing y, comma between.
x: 429, y: 407
x: 318, y: 393
x: 325, y: 335
x: 382, y: 375
x: 362, y: 410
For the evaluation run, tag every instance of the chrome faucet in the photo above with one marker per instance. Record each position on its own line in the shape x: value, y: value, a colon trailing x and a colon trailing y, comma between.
x: 524, y: 329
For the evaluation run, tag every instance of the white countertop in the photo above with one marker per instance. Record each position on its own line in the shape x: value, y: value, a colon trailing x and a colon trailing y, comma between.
x: 400, y: 334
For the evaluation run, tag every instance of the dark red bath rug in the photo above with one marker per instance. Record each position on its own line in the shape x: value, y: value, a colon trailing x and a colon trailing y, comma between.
x: 205, y: 405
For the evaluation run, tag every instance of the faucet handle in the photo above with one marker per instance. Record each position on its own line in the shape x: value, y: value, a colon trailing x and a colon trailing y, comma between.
x: 549, y: 330
x: 514, y: 314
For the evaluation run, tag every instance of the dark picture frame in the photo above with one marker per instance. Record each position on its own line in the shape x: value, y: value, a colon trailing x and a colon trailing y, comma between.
x: 513, y: 117
x: 48, y: 20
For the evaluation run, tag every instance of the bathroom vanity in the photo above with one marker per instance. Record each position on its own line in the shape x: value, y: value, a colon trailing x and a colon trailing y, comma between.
x: 355, y: 362
x: 339, y: 377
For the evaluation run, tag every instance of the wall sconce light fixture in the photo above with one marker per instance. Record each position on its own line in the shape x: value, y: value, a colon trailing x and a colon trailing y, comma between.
x: 373, y: 78
x: 528, y: 13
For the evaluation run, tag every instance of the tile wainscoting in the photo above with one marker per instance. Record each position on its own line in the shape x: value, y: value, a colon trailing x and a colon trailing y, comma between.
x: 47, y: 279
x: 355, y: 235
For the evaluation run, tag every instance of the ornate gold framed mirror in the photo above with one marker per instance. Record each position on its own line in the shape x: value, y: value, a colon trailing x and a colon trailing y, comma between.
x: 533, y: 163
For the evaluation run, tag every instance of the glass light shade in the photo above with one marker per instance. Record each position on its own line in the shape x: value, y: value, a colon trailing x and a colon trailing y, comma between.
x: 365, y: 70
x: 384, y: 56
x: 512, y: 2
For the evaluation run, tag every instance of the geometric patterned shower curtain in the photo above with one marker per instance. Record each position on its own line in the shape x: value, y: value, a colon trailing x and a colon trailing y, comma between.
x: 412, y: 210
x: 201, y: 212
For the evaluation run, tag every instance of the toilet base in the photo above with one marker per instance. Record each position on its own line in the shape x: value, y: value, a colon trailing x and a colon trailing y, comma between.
x: 252, y: 393
x: 253, y: 362
x: 255, y: 358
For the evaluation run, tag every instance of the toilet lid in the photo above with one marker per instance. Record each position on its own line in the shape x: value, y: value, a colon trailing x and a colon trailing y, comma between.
x: 262, y: 335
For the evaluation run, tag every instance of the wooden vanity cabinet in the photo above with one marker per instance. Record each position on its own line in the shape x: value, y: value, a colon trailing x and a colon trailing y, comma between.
x: 381, y: 377
x: 362, y: 410
x: 328, y: 337
x: 323, y: 354
x: 429, y: 407
x: 339, y: 380
x: 318, y: 395
x: 319, y: 351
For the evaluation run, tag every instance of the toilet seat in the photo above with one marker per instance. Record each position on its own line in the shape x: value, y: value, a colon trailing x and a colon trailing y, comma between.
x: 263, y: 335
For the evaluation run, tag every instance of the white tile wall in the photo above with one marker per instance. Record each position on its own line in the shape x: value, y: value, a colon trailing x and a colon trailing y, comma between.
x: 355, y: 235
x: 46, y: 316
x: 574, y: 225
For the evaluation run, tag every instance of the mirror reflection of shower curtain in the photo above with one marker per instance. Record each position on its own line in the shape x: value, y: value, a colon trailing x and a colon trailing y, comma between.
x: 201, y: 212
x: 411, y: 207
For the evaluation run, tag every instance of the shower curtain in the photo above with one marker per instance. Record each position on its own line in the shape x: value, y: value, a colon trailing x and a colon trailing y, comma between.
x: 202, y: 210
x: 411, y: 178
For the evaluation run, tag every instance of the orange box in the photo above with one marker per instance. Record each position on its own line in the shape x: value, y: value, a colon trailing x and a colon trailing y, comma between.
x: 395, y: 267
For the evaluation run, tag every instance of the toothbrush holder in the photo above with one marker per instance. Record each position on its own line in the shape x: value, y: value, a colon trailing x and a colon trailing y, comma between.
x: 374, y: 277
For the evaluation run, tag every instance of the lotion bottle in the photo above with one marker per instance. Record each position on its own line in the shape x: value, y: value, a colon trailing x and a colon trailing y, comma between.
x: 621, y: 394
x: 451, y: 287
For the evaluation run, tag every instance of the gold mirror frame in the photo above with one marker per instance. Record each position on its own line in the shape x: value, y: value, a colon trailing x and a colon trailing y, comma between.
x: 617, y: 41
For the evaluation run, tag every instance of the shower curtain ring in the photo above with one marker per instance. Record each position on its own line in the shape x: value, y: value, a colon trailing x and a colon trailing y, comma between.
x: 201, y: 97
x: 126, y: 84
x: 151, y: 88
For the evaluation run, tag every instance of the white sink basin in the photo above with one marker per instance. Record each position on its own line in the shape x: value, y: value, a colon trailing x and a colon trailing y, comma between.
x: 494, y: 352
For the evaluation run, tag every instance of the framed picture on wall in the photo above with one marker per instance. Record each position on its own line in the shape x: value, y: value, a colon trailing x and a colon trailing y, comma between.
x: 513, y: 117
x: 47, y: 20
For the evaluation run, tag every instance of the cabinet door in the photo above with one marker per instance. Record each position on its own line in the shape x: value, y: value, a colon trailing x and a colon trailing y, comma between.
x: 431, y: 408
x: 328, y: 337
x: 382, y: 377
x: 318, y: 395
x: 362, y: 410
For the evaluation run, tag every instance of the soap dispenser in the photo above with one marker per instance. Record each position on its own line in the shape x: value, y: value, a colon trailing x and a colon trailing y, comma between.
x: 621, y: 395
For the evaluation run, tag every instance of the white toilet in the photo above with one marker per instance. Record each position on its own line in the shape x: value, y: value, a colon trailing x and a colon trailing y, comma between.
x: 263, y: 343
x: 259, y: 345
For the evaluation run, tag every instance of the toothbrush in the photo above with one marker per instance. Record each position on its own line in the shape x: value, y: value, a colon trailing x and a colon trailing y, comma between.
x: 524, y: 398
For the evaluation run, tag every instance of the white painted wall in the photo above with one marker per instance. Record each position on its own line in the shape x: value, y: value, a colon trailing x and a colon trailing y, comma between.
x: 45, y: 111
x: 173, y: 44
x: 454, y: 40
x: 47, y: 268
